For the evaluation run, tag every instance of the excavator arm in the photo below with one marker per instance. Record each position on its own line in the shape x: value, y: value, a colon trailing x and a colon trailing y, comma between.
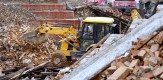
x: 67, y: 35
x: 57, y: 30
x: 41, y: 33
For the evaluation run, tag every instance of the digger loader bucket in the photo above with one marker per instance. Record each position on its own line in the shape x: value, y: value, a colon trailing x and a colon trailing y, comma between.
x: 34, y: 38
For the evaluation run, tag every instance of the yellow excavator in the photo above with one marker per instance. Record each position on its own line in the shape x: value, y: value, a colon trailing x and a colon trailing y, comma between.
x: 73, y: 41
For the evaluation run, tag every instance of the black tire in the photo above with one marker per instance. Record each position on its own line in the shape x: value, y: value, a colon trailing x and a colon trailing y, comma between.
x: 58, y: 59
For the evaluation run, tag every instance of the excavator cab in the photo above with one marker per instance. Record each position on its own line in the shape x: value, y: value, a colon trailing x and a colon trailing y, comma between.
x: 94, y: 29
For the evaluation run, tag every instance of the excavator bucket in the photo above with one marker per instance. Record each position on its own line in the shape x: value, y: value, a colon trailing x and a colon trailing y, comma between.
x: 34, y: 38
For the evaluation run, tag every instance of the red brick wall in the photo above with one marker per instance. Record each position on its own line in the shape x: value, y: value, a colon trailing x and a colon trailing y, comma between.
x: 54, y: 14
x: 40, y: 7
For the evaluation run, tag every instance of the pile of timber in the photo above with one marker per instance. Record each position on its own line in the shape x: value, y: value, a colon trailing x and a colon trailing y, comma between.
x: 142, y: 62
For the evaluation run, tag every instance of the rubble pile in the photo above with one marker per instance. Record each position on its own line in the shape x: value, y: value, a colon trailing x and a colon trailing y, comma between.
x: 80, y: 7
x: 113, y: 12
x: 14, y: 14
x: 78, y: 3
x: 16, y: 55
x: 142, y: 62
x: 84, y: 12
x: 119, y: 14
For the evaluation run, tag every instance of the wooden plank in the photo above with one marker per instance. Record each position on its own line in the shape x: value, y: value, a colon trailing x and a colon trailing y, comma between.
x: 161, y: 76
x: 134, y: 63
x: 120, y: 73
x: 142, y: 53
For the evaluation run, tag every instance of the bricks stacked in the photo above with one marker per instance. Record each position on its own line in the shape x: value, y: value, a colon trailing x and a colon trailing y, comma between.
x: 39, y: 7
x: 143, y: 62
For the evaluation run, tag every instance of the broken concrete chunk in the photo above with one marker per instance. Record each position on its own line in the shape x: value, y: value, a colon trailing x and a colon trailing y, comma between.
x: 144, y: 78
x: 151, y: 42
x: 145, y: 68
x: 161, y: 76
x: 159, y: 38
x: 134, y: 63
x: 119, y: 64
x: 127, y: 63
x: 153, y: 60
x: 106, y: 72
x: 135, y: 70
x: 113, y: 63
x: 154, y: 47
x: 157, y: 54
x: 158, y: 71
x: 146, y: 61
x: 148, y: 75
x: 112, y: 68
x: 1, y: 74
x: 142, y: 53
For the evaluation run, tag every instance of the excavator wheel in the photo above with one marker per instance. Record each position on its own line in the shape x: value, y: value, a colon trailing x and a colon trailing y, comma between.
x: 58, y: 59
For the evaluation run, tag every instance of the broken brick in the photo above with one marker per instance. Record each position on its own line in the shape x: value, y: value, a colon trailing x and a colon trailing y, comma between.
x: 120, y: 73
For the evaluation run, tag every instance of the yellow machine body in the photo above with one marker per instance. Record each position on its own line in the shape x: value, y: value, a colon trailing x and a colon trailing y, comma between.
x: 68, y: 35
x: 135, y: 14
x: 98, y: 20
x: 57, y: 30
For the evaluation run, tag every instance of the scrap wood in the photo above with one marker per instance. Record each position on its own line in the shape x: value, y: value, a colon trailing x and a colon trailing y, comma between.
x: 22, y: 71
x: 14, y: 51
x: 13, y: 75
x: 35, y: 68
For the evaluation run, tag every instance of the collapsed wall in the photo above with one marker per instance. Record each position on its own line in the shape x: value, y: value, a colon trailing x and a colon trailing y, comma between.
x: 15, y: 53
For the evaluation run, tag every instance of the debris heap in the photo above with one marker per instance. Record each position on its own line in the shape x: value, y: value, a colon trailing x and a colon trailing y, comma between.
x: 142, y: 62
x: 18, y: 59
